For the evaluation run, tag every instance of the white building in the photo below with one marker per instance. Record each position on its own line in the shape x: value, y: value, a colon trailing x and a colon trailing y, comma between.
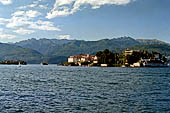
x: 82, y: 58
x: 73, y: 59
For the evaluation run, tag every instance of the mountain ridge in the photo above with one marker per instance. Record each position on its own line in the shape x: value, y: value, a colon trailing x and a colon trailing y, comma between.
x: 13, y: 52
x: 56, y: 50
x: 56, y: 47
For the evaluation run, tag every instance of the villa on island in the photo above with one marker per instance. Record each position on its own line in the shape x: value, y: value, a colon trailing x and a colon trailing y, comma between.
x: 157, y: 60
x: 83, y: 59
x: 130, y: 52
x: 128, y: 58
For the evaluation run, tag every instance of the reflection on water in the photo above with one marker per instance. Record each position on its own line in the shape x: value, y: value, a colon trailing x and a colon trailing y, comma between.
x: 35, y: 88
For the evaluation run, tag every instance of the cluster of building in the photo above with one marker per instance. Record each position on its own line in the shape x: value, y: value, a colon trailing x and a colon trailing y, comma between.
x: 83, y: 59
x: 86, y: 59
x: 156, y: 61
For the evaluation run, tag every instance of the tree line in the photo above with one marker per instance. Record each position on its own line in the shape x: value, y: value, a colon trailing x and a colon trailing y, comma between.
x: 118, y: 59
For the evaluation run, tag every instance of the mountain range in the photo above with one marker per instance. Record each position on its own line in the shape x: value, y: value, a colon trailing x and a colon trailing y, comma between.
x: 56, y: 50
x: 13, y: 52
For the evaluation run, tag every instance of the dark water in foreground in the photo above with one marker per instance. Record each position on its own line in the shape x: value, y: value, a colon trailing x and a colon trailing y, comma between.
x: 46, y: 89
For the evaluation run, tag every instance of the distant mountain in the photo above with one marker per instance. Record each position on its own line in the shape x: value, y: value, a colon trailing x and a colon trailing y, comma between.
x: 161, y: 48
x: 12, y: 52
x: 44, y: 46
x: 91, y: 47
x: 56, y: 47
x: 150, y: 42
x: 56, y: 51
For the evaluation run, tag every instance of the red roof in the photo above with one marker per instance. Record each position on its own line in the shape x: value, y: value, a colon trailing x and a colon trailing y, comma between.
x: 87, y: 56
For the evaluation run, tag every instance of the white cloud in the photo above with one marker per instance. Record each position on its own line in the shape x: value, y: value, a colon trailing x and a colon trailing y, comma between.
x: 7, y: 36
x: 44, y: 25
x: 18, y: 13
x: 30, y: 13
x: 35, y: 4
x: 5, y: 2
x: 3, y: 21
x: 68, y: 7
x: 17, y: 21
x: 32, y: 5
x: 64, y: 37
x: 43, y: 6
x: 20, y: 21
x: 1, y: 30
x: 28, y: 20
x: 22, y: 31
x: 28, y: 6
x: 21, y: 18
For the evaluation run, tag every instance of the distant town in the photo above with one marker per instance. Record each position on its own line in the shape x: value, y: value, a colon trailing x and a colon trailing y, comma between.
x: 129, y: 58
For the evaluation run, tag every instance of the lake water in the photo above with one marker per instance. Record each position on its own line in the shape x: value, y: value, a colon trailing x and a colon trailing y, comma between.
x: 48, y: 89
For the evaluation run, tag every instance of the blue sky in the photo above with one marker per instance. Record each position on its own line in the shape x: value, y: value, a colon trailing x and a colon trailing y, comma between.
x: 84, y: 19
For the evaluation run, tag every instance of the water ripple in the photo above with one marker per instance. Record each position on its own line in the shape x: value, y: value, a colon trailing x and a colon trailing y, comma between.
x: 57, y: 89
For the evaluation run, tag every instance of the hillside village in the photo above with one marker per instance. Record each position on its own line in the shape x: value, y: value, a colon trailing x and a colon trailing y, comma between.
x: 129, y: 58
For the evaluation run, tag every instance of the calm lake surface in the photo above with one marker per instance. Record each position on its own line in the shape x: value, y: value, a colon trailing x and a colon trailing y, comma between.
x: 48, y: 89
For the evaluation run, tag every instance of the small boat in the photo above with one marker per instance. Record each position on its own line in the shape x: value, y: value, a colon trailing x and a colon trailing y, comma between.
x: 44, y: 63
x: 19, y: 64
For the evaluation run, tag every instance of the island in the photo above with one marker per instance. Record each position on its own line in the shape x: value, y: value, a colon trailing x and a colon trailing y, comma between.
x: 129, y: 58
x: 13, y: 62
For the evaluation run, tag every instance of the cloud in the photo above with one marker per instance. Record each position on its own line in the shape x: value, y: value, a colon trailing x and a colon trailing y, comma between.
x: 43, y: 6
x: 30, y: 13
x: 64, y: 37
x: 22, y: 18
x: 44, y: 25
x: 17, y: 22
x: 3, y: 21
x: 18, y: 13
x: 6, y: 2
x: 1, y: 30
x: 22, y: 31
x: 20, y: 21
x: 68, y: 7
x: 7, y: 36
x: 28, y: 6
x: 27, y: 21
x: 34, y: 4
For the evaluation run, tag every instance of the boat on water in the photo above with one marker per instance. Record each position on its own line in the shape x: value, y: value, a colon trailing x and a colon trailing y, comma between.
x: 44, y: 63
x: 19, y: 64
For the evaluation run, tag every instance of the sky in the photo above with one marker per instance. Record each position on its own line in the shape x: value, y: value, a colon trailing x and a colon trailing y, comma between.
x: 84, y: 19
